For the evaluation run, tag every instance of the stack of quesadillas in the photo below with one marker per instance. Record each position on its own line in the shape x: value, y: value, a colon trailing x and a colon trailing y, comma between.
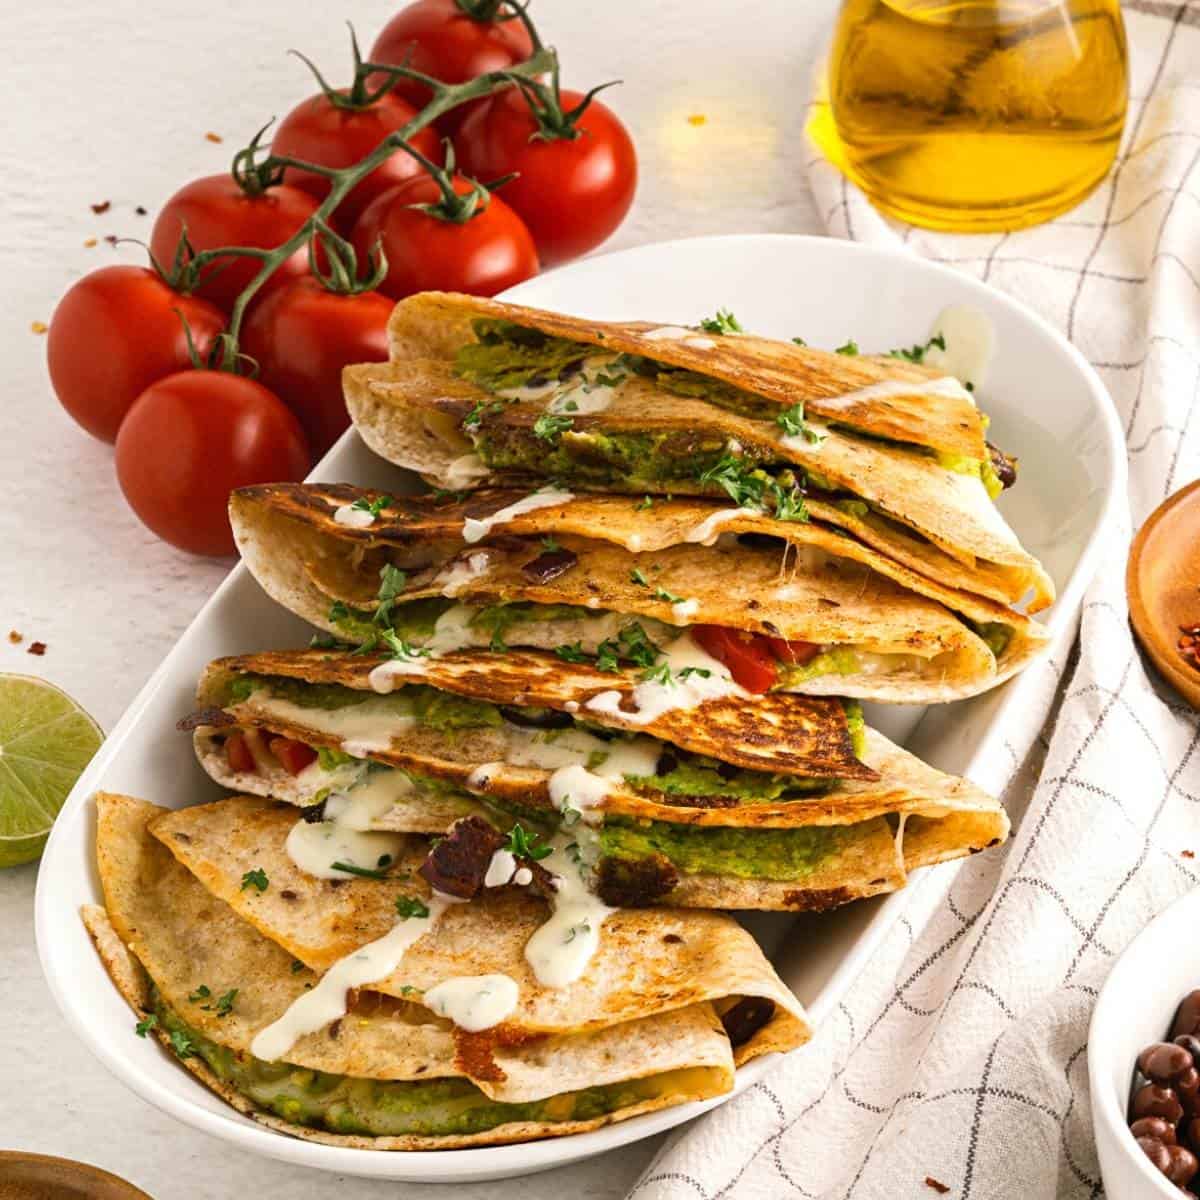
x: 607, y: 676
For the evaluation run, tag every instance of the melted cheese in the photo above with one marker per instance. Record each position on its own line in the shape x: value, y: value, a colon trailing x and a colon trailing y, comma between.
x: 706, y: 532
x: 369, y: 724
x: 354, y: 518
x: 464, y: 472
x: 463, y: 571
x: 945, y: 386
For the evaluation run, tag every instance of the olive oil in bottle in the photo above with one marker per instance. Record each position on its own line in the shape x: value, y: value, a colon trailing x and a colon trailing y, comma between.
x: 975, y: 115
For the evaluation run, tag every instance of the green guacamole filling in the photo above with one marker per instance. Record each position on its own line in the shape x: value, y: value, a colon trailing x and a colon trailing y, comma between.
x: 839, y: 660
x: 393, y: 1108
x: 995, y: 634
x: 779, y: 854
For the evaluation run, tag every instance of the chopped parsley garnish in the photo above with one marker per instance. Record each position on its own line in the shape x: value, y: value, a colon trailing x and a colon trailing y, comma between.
x: 575, y: 931
x: 410, y: 906
x: 659, y: 673
x: 550, y: 545
x: 401, y: 648
x: 630, y: 643
x: 549, y: 426
x: 799, y: 341
x: 182, y: 1044
x: 636, y: 576
x: 201, y: 993
x: 608, y: 656
x: 476, y: 415
x: 793, y: 424
x: 322, y: 641
x: 374, y: 507
x: 571, y: 653
x: 916, y: 354
x: 604, y: 380
x: 440, y: 494
x: 146, y: 1024
x: 669, y: 597
x: 392, y: 581
x: 723, y: 322
x: 750, y: 487
x: 521, y: 844
x: 255, y: 879
x: 850, y: 348
x: 338, y: 612
x: 225, y: 1002
x: 644, y: 503
x: 703, y: 672
x: 351, y: 869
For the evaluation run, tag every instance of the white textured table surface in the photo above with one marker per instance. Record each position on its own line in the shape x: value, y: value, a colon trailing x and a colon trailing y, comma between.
x: 114, y: 102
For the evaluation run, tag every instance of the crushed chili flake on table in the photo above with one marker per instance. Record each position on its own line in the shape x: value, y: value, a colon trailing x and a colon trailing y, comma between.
x: 936, y: 1185
x: 1189, y: 644
x: 102, y: 207
x: 90, y: 242
x: 15, y: 637
x: 1187, y: 854
x: 214, y: 137
x: 38, y: 326
x: 38, y: 648
x: 111, y: 238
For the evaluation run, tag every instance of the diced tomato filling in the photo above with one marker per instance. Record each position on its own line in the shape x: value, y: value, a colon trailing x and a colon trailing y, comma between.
x: 752, y: 658
x: 293, y: 755
x: 238, y: 755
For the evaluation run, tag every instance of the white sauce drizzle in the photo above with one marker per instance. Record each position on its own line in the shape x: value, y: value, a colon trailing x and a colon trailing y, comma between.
x: 501, y: 869
x: 370, y: 724
x: 354, y: 518
x: 327, y: 1001
x: 465, y: 471
x: 970, y: 342
x: 653, y: 698
x: 706, y: 532
x: 475, y: 529
x: 945, y: 386
x: 684, y: 610
x: 474, y: 1002
x: 523, y: 877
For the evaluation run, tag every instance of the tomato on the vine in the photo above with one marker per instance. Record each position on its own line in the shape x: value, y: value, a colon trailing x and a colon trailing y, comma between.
x: 193, y: 437
x: 575, y: 165
x: 340, y: 126
x: 301, y: 336
x: 114, y: 333
x: 746, y: 655
x: 454, y: 41
x: 217, y: 211
x: 482, y: 253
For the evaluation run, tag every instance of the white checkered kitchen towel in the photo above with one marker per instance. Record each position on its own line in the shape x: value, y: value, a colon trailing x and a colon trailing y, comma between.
x: 959, y: 1055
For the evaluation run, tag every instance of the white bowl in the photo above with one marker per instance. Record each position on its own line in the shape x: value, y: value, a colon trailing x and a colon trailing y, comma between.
x: 1135, y: 1007
x: 1048, y: 407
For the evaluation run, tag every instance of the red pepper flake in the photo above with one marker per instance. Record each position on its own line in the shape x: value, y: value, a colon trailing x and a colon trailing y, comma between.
x: 936, y: 1185
x: 38, y: 326
x: 15, y: 637
x: 38, y: 648
x: 111, y: 238
x: 1187, y: 854
x: 102, y: 207
x: 1189, y: 644
x: 214, y: 137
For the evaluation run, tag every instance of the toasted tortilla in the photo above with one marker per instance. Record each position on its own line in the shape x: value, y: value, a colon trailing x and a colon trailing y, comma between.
x: 411, y: 412
x: 910, y: 816
x: 161, y: 927
x: 778, y: 732
x: 849, y: 593
x: 698, y: 958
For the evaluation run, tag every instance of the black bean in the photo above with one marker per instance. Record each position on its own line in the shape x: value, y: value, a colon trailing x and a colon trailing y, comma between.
x: 1191, y: 1043
x: 1187, y: 1088
x: 746, y: 1018
x: 549, y: 565
x: 1153, y: 1100
x: 1187, y: 1016
x: 1156, y: 1152
x: 1163, y: 1062
x: 537, y: 718
x: 1154, y: 1127
x: 314, y: 814
x: 1182, y: 1166
x: 667, y: 762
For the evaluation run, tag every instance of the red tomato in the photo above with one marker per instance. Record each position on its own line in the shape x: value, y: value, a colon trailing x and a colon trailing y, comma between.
x: 113, y: 334
x: 293, y: 755
x: 302, y: 336
x: 238, y: 755
x: 218, y: 213
x: 796, y: 653
x: 571, y: 192
x: 745, y: 654
x: 318, y: 131
x: 193, y: 437
x: 491, y: 251
x: 441, y: 38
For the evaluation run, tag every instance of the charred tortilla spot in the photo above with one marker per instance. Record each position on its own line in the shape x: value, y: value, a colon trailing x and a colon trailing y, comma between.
x: 459, y: 862
x: 474, y: 1055
x: 635, y: 883
x: 804, y: 900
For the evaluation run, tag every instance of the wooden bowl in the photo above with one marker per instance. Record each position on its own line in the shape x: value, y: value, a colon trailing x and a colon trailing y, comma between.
x: 40, y: 1177
x: 1162, y: 582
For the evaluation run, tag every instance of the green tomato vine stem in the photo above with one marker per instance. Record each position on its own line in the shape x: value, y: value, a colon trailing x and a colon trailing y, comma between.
x: 445, y: 97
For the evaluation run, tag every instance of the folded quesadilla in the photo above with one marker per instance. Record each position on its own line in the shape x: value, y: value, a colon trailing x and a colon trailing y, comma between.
x: 675, y: 787
x: 786, y: 606
x: 374, y: 1013
x: 484, y: 392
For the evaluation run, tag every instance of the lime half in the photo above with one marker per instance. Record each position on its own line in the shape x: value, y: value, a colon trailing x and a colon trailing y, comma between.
x: 46, y: 740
